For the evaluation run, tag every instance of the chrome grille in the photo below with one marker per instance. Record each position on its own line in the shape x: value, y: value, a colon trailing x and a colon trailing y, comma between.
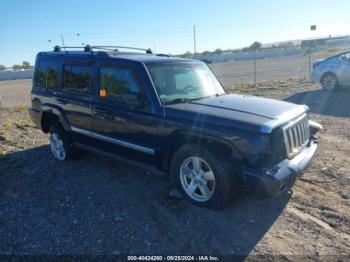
x: 296, y: 135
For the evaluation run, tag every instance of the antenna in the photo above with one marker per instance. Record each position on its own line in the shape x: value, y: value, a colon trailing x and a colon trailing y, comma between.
x: 63, y: 42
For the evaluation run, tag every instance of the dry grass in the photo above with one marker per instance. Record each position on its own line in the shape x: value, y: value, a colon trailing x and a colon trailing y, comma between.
x: 17, y: 131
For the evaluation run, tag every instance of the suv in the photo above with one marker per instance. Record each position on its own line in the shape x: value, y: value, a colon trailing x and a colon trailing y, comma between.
x: 169, y: 115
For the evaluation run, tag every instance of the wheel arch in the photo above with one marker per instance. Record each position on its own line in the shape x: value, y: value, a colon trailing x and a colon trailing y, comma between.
x: 221, y: 147
x: 327, y: 73
x: 52, y: 115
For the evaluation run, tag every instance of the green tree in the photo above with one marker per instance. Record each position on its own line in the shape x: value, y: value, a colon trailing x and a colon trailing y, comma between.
x: 255, y: 46
x: 17, y: 67
x: 2, y: 67
x: 188, y: 54
x: 218, y: 51
x: 26, y: 65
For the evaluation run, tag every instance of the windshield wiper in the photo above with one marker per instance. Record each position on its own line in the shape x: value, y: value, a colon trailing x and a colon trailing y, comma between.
x: 178, y: 101
x: 188, y: 99
x: 204, y: 97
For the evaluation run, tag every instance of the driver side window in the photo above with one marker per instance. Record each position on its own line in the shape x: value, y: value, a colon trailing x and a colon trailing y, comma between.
x: 345, y: 57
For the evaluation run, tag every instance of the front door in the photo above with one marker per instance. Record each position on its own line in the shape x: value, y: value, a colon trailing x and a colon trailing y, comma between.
x: 122, y: 117
x: 344, y: 70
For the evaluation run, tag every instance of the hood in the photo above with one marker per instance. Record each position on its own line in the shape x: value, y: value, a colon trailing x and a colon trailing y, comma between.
x: 249, y: 112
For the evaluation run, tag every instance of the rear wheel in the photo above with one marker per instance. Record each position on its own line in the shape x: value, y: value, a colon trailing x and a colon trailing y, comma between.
x: 60, y: 143
x: 202, y: 177
x: 329, y: 82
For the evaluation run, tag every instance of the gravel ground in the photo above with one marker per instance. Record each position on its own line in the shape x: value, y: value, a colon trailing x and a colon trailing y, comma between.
x: 15, y: 92
x: 96, y: 206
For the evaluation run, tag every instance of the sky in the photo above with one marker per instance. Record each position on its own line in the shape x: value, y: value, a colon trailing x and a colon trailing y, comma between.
x: 165, y: 26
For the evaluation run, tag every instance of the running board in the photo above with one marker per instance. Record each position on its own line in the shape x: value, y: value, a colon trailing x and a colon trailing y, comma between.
x: 149, y: 169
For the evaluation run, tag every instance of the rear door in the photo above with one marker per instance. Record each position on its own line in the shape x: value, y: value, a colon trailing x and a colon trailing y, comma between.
x: 76, y: 93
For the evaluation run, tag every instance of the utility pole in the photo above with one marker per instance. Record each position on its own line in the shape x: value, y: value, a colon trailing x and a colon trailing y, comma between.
x: 255, y: 68
x: 312, y: 28
x: 63, y: 42
x: 194, y: 41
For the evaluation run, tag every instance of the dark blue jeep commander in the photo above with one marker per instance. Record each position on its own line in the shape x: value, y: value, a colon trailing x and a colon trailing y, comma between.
x: 170, y: 115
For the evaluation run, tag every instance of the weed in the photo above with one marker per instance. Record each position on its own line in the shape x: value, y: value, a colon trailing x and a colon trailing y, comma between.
x: 8, y: 124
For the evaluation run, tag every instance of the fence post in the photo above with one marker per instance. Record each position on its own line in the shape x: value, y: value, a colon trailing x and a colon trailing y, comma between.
x: 310, y: 64
x: 255, y: 68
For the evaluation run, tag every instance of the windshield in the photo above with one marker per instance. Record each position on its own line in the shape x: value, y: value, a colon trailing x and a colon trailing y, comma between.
x: 179, y: 82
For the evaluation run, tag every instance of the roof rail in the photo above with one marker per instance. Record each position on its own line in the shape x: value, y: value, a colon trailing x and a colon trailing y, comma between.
x: 165, y: 55
x: 115, y: 48
x: 89, y: 48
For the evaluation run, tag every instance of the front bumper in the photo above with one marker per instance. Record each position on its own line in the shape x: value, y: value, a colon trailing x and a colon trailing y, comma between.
x: 271, y: 182
x: 316, y: 76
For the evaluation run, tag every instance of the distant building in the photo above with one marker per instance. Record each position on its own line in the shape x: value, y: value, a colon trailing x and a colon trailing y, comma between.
x: 341, y: 40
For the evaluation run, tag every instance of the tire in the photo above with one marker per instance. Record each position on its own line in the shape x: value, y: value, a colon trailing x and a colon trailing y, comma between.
x: 209, y: 189
x: 60, y: 144
x: 329, y: 82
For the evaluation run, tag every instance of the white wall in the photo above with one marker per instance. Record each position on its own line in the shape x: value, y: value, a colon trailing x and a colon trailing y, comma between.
x: 19, y: 74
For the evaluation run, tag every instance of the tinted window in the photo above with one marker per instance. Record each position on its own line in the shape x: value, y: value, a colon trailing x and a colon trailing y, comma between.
x: 53, y: 75
x: 345, y: 57
x: 41, y: 75
x: 48, y: 75
x: 77, y: 78
x: 118, y: 84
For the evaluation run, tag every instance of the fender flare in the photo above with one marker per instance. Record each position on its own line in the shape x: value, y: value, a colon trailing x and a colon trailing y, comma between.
x: 167, y: 148
x: 48, y: 108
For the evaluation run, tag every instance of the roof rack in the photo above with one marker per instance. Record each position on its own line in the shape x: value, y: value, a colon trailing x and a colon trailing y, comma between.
x: 165, y: 55
x: 89, y: 48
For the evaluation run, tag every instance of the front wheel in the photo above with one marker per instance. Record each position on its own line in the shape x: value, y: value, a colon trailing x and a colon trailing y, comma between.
x: 202, y: 177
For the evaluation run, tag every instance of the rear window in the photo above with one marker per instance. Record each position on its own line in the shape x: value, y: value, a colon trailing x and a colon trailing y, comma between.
x: 77, y: 78
x: 48, y: 75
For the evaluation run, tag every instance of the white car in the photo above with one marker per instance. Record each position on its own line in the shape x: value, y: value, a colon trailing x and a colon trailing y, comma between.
x: 333, y: 72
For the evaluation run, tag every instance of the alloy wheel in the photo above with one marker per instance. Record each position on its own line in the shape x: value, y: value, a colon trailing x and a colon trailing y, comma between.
x: 197, y: 179
x: 57, y: 147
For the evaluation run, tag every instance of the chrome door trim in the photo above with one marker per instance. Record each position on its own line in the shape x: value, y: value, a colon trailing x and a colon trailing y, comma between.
x: 113, y: 140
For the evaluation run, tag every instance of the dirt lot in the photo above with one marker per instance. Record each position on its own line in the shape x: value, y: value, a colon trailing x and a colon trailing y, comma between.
x: 15, y: 92
x: 96, y: 206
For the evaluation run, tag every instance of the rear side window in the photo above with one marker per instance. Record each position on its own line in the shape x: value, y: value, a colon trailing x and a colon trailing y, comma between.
x: 77, y: 78
x: 48, y: 75
x: 53, y: 76
x: 118, y: 84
